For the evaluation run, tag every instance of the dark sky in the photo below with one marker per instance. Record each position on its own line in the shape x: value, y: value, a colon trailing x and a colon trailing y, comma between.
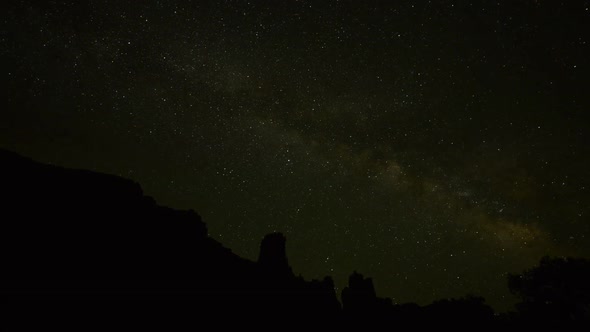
x: 433, y: 145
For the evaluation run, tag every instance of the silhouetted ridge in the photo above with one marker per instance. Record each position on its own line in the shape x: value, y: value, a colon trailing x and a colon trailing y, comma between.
x: 67, y: 231
x: 77, y: 242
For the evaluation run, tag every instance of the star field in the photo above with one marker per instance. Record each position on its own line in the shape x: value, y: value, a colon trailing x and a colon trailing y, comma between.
x: 434, y: 146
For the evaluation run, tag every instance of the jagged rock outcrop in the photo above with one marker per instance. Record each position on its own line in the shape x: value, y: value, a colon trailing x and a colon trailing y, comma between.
x: 273, y: 255
x: 67, y: 231
x: 359, y: 298
x: 77, y: 243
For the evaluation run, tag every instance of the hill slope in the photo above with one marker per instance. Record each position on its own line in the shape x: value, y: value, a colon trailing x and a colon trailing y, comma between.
x: 74, y: 232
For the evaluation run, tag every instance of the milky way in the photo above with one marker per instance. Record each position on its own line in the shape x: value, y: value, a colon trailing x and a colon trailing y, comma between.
x: 433, y: 146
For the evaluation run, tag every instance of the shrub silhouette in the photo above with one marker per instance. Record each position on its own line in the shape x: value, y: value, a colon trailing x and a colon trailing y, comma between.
x: 558, y: 290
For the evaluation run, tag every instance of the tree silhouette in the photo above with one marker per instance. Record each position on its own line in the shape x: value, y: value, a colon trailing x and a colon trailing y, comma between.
x: 557, y: 290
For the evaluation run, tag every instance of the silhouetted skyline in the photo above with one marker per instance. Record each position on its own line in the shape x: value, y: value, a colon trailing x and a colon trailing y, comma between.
x: 435, y: 147
x: 77, y: 242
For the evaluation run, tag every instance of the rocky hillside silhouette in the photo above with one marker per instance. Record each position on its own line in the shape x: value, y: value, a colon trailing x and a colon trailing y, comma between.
x: 82, y: 246
x: 72, y: 232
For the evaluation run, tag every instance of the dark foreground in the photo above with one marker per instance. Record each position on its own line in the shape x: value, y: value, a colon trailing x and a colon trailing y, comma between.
x: 83, y: 249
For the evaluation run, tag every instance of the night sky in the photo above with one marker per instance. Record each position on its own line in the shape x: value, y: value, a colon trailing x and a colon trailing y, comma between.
x: 434, y: 146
